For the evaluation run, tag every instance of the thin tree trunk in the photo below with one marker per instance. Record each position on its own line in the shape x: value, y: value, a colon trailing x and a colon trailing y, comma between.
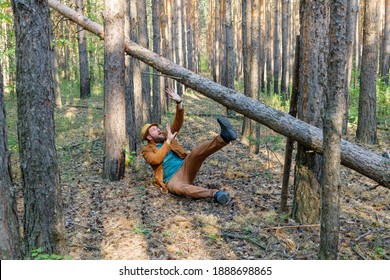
x: 385, y: 61
x: 229, y: 58
x: 156, y: 116
x: 283, y: 82
x: 43, y: 210
x: 10, y: 242
x: 246, y: 44
x: 143, y: 40
x: 114, y: 91
x: 135, y: 71
x: 85, y: 87
x: 353, y: 156
x: 269, y: 48
x: 131, y: 125
x: 290, y: 143
x: 254, y: 69
x: 367, y: 124
x: 330, y: 183
x: 276, y: 47
x: 350, y: 37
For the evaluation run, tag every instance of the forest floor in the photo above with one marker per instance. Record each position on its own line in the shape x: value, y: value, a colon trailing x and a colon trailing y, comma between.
x: 132, y: 219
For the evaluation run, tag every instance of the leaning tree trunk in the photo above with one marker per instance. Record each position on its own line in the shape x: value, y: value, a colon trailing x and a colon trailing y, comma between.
x: 43, y: 212
x: 353, y: 156
x: 366, y: 129
x: 114, y: 91
x: 10, y: 244
x: 313, y: 55
x: 330, y: 184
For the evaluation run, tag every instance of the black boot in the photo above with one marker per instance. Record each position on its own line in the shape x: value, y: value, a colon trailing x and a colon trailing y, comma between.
x: 222, y: 198
x: 227, y: 131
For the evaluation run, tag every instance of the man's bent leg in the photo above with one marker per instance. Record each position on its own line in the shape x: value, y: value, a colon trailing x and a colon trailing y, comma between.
x: 194, y: 160
x: 180, y: 186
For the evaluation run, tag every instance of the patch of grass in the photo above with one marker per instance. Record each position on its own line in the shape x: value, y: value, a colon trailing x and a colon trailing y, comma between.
x: 39, y: 254
x: 140, y: 229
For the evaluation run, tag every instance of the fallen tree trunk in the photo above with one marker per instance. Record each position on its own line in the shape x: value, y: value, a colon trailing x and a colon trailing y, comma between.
x: 353, y: 156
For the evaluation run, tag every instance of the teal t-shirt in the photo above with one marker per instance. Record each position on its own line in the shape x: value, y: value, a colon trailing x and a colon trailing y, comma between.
x: 171, y: 164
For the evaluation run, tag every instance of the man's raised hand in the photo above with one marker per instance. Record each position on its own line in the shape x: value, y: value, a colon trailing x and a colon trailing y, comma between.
x: 170, y: 136
x: 173, y: 95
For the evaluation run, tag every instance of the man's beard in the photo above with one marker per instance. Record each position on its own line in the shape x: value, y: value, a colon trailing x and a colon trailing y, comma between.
x: 160, y: 138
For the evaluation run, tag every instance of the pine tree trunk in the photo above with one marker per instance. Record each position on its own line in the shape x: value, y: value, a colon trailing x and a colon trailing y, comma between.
x: 254, y: 69
x: 131, y: 125
x: 85, y: 88
x: 135, y: 72
x: 283, y: 82
x: 350, y: 38
x: 269, y: 48
x: 229, y: 58
x: 367, y: 124
x: 330, y: 183
x: 246, y: 44
x: 10, y: 243
x: 156, y: 116
x: 385, y: 61
x: 190, y: 30
x: 143, y: 40
x: 276, y: 47
x: 114, y: 91
x: 43, y: 210
x: 290, y: 143
x: 313, y: 56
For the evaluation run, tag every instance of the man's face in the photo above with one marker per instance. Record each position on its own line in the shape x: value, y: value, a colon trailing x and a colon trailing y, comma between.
x: 155, y: 134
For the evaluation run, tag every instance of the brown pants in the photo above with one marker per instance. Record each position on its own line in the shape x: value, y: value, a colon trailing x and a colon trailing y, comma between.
x: 181, y: 182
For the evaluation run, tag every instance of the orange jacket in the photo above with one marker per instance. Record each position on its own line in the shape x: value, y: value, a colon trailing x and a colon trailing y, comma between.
x: 155, y: 156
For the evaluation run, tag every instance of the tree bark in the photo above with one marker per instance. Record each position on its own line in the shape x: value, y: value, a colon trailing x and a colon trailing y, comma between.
x: 290, y: 142
x: 367, y: 123
x: 143, y: 40
x: 43, y: 210
x: 131, y: 125
x: 330, y: 183
x: 156, y: 116
x: 135, y: 72
x: 114, y: 91
x: 276, y: 47
x: 85, y: 87
x: 353, y: 156
x: 283, y: 82
x: 246, y: 45
x: 350, y: 37
x: 229, y: 58
x: 10, y: 243
x: 254, y: 74
x: 313, y: 69
x: 385, y: 61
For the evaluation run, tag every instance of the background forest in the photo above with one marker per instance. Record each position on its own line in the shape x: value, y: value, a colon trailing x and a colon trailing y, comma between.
x: 276, y: 52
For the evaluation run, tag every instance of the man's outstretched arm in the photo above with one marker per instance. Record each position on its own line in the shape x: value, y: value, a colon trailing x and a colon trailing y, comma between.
x: 179, y: 117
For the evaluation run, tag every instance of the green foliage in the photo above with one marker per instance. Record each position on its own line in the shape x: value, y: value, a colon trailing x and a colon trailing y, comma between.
x: 247, y: 230
x: 140, y: 229
x: 204, y: 63
x: 39, y: 254
x: 382, y: 102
